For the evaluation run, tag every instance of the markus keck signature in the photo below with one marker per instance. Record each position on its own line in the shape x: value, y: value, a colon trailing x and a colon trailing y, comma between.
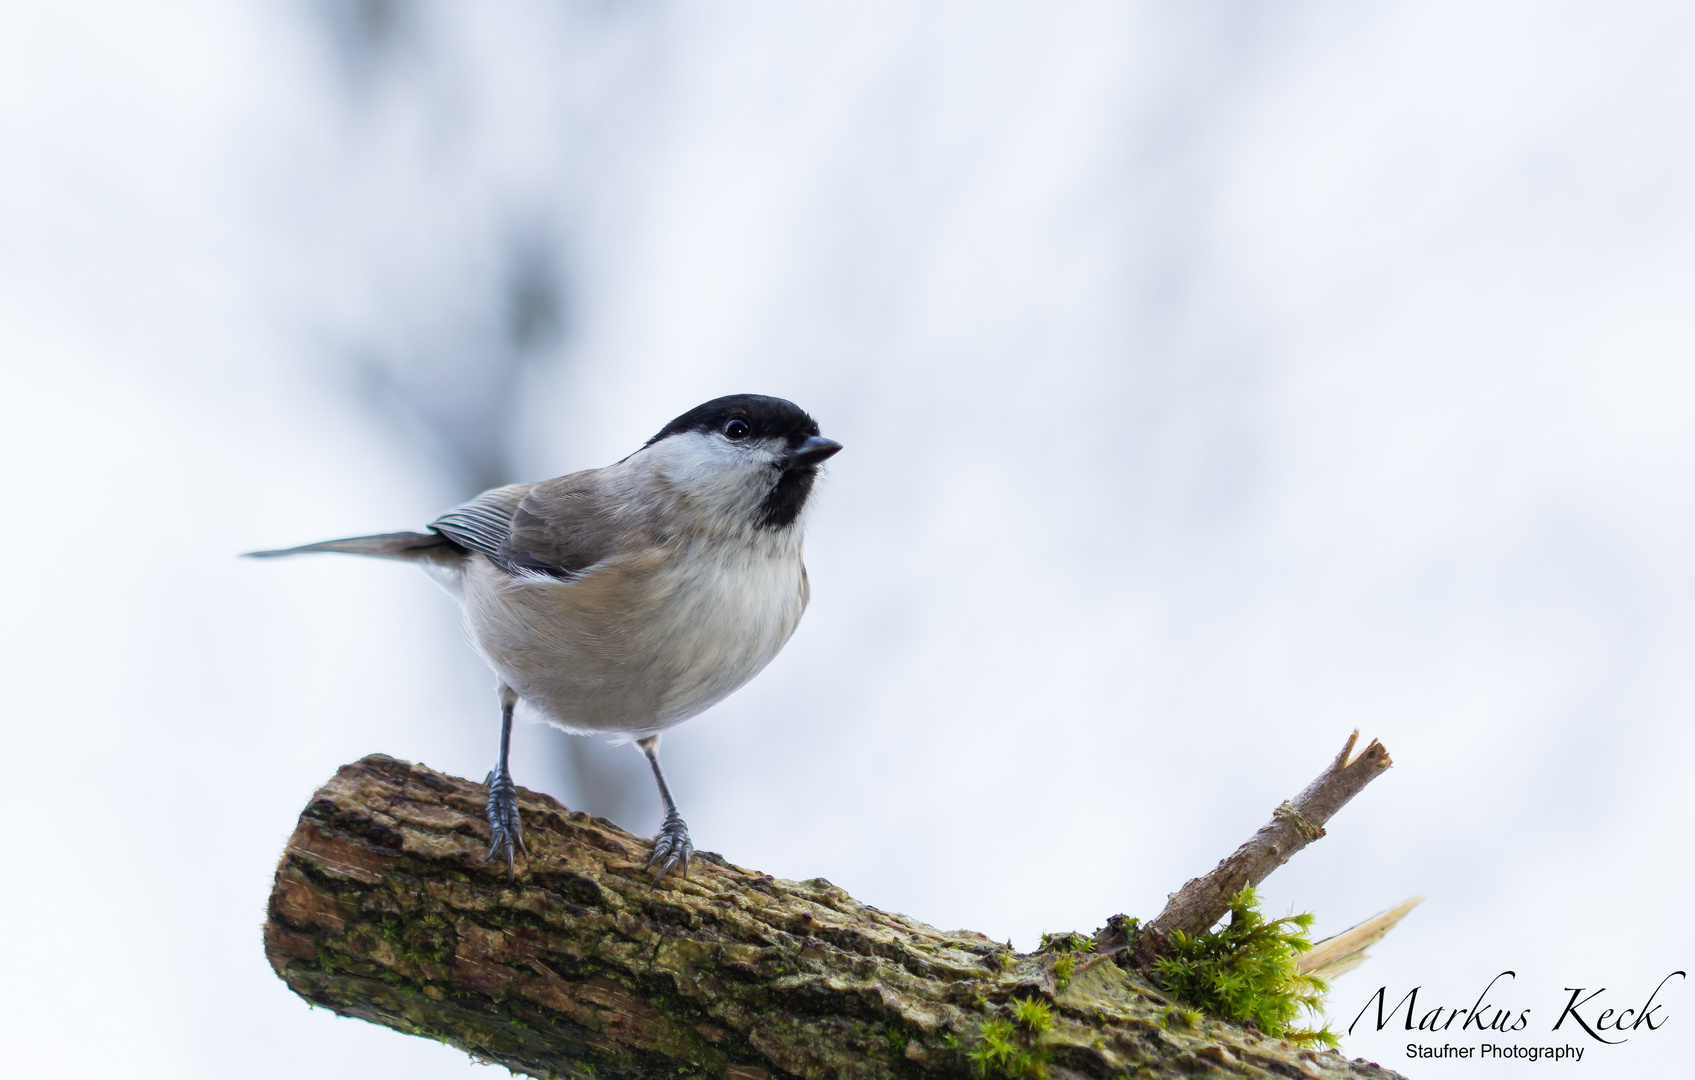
x: 1602, y: 1015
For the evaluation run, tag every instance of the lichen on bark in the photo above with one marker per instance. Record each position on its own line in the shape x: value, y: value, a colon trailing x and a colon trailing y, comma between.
x: 585, y: 968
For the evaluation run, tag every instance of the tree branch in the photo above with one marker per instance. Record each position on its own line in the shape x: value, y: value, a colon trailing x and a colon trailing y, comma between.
x: 582, y: 967
x: 1293, y: 825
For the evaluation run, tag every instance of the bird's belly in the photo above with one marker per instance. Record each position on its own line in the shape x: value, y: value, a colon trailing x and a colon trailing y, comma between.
x: 635, y: 645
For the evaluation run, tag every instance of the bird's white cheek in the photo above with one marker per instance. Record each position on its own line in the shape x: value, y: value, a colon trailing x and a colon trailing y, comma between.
x: 724, y: 482
x: 692, y: 459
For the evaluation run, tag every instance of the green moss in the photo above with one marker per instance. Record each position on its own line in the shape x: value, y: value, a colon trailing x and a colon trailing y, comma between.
x: 1004, y: 1051
x: 1011, y: 1049
x: 427, y: 941
x: 1245, y: 971
x: 1067, y: 943
x: 1063, y: 969
x: 1033, y: 1015
x: 1179, y: 1017
x: 997, y: 1044
x: 895, y: 1040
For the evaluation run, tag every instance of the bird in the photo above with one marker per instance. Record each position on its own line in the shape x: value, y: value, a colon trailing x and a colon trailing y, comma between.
x: 627, y: 599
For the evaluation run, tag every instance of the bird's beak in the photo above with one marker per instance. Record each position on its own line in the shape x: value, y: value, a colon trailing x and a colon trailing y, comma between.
x: 814, y: 450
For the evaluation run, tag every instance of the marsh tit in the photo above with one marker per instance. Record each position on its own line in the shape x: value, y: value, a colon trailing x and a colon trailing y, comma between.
x: 627, y: 599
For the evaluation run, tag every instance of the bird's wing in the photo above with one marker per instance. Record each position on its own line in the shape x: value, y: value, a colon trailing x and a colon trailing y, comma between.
x: 483, y: 523
x: 562, y: 527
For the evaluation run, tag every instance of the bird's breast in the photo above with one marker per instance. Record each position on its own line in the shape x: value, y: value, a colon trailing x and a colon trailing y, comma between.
x: 641, y: 641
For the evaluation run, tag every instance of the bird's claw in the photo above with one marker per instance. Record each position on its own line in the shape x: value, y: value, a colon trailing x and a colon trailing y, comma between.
x: 506, y: 829
x: 671, y: 847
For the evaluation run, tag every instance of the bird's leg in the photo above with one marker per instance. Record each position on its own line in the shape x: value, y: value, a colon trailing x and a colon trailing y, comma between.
x: 506, y: 831
x: 672, y: 846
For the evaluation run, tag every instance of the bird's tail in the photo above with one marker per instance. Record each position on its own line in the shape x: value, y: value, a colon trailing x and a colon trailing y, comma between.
x: 399, y: 545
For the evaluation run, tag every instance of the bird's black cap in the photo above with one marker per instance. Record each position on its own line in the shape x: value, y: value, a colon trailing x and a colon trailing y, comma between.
x: 766, y: 418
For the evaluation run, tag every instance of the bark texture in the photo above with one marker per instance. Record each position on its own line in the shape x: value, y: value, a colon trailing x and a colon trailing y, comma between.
x: 583, y: 968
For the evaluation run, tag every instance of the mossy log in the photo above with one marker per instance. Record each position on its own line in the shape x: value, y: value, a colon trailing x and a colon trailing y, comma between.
x: 383, y: 910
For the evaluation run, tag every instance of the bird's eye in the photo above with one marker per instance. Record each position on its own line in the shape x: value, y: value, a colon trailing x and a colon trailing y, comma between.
x: 736, y: 430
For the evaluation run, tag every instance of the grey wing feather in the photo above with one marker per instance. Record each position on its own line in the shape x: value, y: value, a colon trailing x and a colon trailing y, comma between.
x: 564, y: 526
x: 484, y: 523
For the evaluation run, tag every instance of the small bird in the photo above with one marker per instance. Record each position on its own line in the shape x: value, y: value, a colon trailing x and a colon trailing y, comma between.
x: 627, y: 599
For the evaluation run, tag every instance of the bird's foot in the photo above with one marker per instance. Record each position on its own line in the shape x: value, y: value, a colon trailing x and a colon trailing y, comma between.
x: 506, y: 830
x: 671, y: 847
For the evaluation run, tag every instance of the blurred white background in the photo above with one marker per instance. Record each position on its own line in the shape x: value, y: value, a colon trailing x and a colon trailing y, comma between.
x: 1215, y: 378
